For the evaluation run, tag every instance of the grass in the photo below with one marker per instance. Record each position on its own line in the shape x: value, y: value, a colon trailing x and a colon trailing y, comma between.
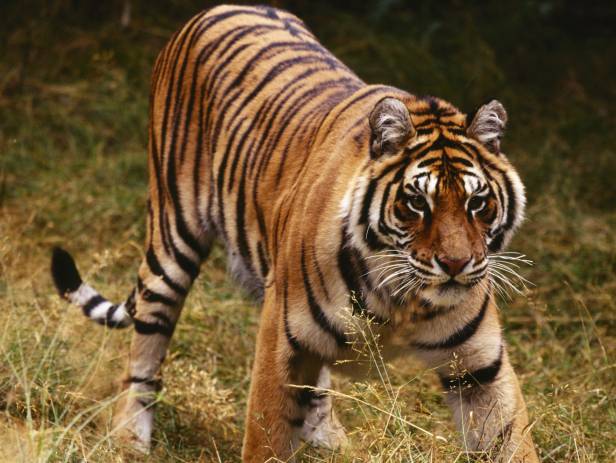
x: 73, y: 111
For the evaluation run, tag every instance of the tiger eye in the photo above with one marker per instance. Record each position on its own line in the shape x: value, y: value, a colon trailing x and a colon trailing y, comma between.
x: 418, y: 202
x: 476, y: 203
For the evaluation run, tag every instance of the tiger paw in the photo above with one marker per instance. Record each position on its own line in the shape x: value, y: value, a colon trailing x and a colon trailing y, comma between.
x: 322, y: 429
x: 133, y: 426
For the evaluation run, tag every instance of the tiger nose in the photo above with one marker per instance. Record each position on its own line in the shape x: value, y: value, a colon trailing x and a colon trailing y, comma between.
x: 452, y: 267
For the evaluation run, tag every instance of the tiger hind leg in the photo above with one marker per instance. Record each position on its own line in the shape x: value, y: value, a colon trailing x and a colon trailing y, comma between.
x: 164, y: 281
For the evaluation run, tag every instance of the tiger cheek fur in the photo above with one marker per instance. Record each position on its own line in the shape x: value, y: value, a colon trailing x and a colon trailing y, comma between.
x: 261, y: 138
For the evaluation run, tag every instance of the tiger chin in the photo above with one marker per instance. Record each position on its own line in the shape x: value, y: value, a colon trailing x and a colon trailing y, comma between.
x: 327, y: 193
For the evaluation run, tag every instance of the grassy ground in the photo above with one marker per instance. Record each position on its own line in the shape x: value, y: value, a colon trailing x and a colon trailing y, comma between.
x: 73, y: 109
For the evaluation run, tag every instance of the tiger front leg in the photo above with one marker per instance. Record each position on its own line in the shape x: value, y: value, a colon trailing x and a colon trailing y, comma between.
x: 281, y: 391
x: 489, y: 409
x: 321, y: 427
x: 482, y: 390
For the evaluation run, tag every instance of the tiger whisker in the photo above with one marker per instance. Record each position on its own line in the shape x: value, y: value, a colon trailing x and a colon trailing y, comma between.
x: 411, y: 288
x: 510, y: 257
x: 407, y: 287
x: 388, y: 264
x: 385, y: 254
x: 395, y: 274
x: 505, y: 281
x: 498, y: 288
x: 393, y: 277
x: 483, y: 285
x: 503, y: 272
x: 507, y: 270
x: 507, y: 267
x: 384, y: 268
x: 400, y: 282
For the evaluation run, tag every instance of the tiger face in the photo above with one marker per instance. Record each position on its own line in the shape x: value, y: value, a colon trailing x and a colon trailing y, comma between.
x: 448, y: 200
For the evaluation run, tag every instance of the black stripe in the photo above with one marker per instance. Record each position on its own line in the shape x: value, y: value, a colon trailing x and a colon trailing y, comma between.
x: 157, y: 270
x: 172, y: 156
x: 291, y: 107
x: 234, y: 35
x: 130, y: 303
x: 246, y: 135
x: 155, y: 383
x: 304, y: 397
x: 147, y: 328
x: 261, y: 151
x: 156, y: 298
x: 285, y: 45
x: 291, y: 112
x: 263, y: 265
x: 374, y: 182
x: 309, y: 122
x: 464, y: 161
x: 496, y: 243
x: 92, y: 303
x: 430, y: 311
x: 315, y: 310
x: 467, y: 173
x: 213, y: 20
x: 460, y: 336
x: 479, y: 270
x: 296, y: 422
x: 383, y: 227
x: 307, y: 396
x: 372, y: 240
x: 427, y: 162
x: 221, y: 179
x: 178, y: 44
x: 349, y: 267
x: 481, y: 377
x: 241, y: 228
x: 317, y: 269
x: 287, y: 329
x: 180, y: 97
x: 367, y: 201
x: 283, y: 66
x: 109, y: 315
x: 511, y: 201
x: 190, y: 268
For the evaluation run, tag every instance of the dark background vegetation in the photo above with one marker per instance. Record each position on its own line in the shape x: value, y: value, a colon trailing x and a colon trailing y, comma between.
x: 551, y: 62
x: 74, y: 84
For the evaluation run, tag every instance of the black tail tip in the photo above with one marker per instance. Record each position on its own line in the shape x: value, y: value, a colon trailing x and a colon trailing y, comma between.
x: 64, y: 272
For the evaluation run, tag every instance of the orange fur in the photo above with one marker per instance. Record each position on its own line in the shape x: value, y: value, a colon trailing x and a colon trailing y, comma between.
x: 262, y: 138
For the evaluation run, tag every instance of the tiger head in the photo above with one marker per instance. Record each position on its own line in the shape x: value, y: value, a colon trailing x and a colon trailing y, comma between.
x: 441, y: 200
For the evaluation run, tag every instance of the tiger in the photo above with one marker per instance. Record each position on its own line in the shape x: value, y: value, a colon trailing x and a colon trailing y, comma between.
x: 332, y: 198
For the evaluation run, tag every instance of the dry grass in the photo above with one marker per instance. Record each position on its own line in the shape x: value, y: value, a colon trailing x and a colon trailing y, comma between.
x: 72, y: 171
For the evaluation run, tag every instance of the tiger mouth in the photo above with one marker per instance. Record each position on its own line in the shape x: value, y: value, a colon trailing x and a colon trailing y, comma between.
x: 452, y: 285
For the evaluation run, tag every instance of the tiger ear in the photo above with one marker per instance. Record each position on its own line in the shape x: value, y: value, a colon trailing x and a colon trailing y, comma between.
x: 488, y: 125
x: 391, y: 127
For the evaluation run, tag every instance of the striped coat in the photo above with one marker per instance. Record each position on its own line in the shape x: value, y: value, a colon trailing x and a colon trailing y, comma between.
x: 334, y: 199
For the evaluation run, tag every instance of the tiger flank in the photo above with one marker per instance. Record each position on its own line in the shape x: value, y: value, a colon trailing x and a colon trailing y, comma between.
x: 327, y: 193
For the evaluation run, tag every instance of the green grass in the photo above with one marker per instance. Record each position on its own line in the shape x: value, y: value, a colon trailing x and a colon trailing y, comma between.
x: 73, y: 112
